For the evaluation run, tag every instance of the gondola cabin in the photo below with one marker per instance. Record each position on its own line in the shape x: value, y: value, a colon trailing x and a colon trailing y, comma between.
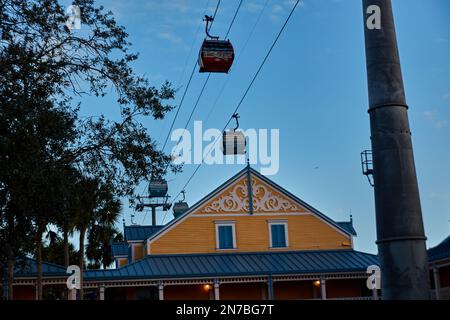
x: 216, y: 56
x: 233, y: 143
x: 157, y: 188
x: 179, y: 208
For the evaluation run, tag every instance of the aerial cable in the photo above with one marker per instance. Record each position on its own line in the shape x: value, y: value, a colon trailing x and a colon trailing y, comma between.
x: 203, y: 87
x: 234, y: 18
x: 245, y: 93
x: 186, y: 64
x: 214, y: 15
x: 187, y: 87
x: 237, y: 60
x: 179, y: 107
x: 192, y: 47
x: 189, y: 81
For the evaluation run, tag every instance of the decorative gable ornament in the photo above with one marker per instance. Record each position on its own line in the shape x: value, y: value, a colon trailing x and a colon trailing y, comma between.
x: 235, y: 199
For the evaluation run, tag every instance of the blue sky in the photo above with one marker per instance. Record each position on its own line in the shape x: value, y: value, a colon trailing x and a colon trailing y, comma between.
x: 313, y: 88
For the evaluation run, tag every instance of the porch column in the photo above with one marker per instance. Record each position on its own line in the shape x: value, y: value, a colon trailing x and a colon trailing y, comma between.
x: 101, y: 292
x: 323, y: 289
x: 375, y: 294
x: 437, y: 282
x: 216, y: 289
x: 73, y: 294
x: 161, y: 291
x: 270, y: 287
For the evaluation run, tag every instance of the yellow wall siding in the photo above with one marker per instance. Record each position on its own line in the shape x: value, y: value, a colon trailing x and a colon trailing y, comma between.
x: 122, y: 262
x: 198, y: 234
x: 138, y: 250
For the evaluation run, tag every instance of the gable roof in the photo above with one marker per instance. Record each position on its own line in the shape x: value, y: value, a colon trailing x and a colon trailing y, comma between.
x: 347, y: 225
x: 251, y: 171
x: 28, y: 268
x: 140, y: 233
x: 239, y: 264
x: 441, y: 251
x: 119, y: 250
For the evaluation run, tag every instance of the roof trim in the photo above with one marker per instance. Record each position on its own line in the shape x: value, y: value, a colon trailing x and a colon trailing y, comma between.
x: 301, y: 202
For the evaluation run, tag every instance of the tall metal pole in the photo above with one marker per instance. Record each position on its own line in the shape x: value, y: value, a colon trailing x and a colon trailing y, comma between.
x: 400, y: 233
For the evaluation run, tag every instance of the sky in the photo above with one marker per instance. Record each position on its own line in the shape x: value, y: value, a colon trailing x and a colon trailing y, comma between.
x: 313, y: 88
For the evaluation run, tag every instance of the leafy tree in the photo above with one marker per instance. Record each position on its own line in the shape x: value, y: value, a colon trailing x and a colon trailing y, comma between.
x: 44, y: 67
x: 33, y: 133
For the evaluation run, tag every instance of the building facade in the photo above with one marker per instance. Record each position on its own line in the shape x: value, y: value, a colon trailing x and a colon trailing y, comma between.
x: 248, y: 239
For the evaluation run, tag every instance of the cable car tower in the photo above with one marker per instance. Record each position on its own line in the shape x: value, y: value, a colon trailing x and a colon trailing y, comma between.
x: 157, y: 198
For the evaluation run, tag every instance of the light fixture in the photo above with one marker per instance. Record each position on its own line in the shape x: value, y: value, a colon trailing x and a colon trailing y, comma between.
x: 316, y: 283
x: 207, y: 287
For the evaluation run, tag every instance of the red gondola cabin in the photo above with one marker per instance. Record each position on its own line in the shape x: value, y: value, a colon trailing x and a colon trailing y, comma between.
x: 216, y: 56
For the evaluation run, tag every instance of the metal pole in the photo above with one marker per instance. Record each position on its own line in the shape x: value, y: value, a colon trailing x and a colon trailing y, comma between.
x: 400, y: 233
x: 250, y: 191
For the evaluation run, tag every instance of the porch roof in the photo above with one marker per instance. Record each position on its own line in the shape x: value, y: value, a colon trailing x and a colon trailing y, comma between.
x: 441, y: 251
x: 28, y: 267
x: 239, y: 264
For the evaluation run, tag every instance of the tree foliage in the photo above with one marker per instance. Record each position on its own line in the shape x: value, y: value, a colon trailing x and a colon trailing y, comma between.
x: 46, y: 149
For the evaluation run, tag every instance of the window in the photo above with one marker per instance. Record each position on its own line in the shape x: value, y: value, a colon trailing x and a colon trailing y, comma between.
x: 278, y: 234
x: 225, y: 236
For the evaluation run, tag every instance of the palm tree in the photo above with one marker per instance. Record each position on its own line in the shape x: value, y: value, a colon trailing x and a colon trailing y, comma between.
x: 100, y: 238
x: 65, y: 218
x: 87, y: 190
x: 45, y: 197
x: 96, y: 202
x: 54, y: 251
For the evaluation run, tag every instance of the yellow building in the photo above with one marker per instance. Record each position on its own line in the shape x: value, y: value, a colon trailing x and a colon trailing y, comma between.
x: 243, y: 240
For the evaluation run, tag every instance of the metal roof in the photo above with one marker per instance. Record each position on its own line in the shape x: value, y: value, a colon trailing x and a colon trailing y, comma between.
x: 238, y: 175
x: 239, y: 264
x: 28, y: 268
x: 347, y: 225
x: 140, y: 233
x: 119, y: 249
x: 441, y: 251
